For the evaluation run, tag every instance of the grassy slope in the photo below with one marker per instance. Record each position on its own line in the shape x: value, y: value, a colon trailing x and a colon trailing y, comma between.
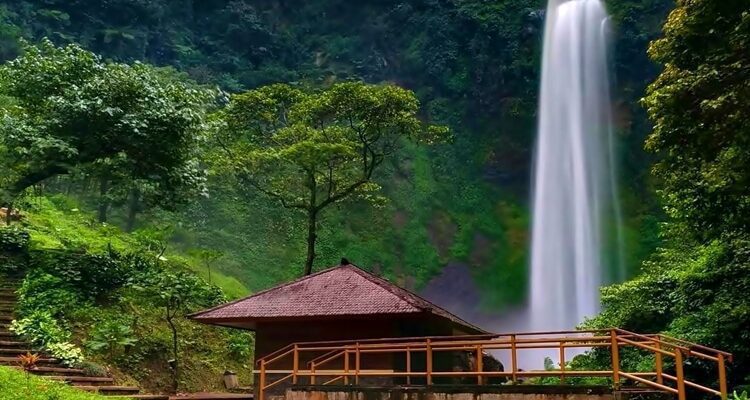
x: 58, y: 221
x: 13, y: 386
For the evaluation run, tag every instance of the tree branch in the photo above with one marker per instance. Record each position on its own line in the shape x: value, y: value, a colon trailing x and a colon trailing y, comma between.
x: 276, y: 196
x: 35, y: 177
x: 377, y: 160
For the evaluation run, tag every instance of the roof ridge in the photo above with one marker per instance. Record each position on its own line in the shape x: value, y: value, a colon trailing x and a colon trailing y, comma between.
x: 292, y: 282
x: 409, y: 299
x: 387, y: 285
x: 409, y: 296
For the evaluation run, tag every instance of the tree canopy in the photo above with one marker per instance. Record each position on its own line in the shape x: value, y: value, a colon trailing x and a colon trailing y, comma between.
x: 67, y: 109
x: 309, y: 150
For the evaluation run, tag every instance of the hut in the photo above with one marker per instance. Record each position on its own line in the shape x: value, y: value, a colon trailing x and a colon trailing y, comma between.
x: 340, y: 303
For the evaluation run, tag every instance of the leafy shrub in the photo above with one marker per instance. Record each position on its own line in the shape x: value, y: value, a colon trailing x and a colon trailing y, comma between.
x: 93, y: 369
x: 41, y: 329
x: 14, y: 240
x: 68, y: 353
x: 10, y: 266
x: 45, y: 332
x: 14, y: 244
x: 111, y: 337
x: 93, y: 274
x: 240, y: 345
x: 42, y: 291
x: 178, y: 289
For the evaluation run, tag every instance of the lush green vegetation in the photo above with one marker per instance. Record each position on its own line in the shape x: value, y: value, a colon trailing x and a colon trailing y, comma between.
x: 107, y: 301
x: 312, y: 151
x: 15, y: 384
x: 473, y: 66
x: 226, y: 135
x: 696, y: 284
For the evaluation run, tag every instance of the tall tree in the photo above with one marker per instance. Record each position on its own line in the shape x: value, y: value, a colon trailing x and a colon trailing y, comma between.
x: 310, y: 150
x: 700, y: 110
x: 68, y: 109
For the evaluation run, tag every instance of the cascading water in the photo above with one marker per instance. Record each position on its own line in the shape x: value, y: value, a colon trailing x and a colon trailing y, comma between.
x: 575, y: 199
x: 574, y: 192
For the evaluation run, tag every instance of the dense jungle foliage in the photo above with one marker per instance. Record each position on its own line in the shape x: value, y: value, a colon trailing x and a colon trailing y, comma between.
x: 696, y: 283
x: 472, y: 64
x: 183, y: 96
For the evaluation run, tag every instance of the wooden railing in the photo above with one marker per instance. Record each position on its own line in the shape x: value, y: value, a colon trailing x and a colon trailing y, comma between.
x: 344, y: 362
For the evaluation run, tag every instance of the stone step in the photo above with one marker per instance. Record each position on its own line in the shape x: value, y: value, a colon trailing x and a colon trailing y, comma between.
x: 13, y: 361
x: 83, y: 380
x: 12, y: 343
x: 4, y: 335
x: 6, y: 318
x: 5, y: 351
x: 111, y: 390
x: 145, y: 397
x: 214, y: 396
x: 56, y: 371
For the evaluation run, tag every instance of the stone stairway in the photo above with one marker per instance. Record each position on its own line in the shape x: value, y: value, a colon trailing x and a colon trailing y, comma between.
x: 11, y: 346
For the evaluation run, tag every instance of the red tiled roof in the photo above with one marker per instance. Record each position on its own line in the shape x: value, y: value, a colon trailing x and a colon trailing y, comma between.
x: 345, y: 290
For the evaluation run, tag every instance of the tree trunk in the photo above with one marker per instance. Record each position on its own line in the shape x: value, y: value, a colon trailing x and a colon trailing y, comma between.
x: 8, y: 214
x: 312, y: 219
x: 175, y: 355
x: 133, y: 205
x: 103, y: 199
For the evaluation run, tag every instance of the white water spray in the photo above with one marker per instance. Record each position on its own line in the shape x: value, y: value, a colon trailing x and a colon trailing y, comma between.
x: 574, y: 192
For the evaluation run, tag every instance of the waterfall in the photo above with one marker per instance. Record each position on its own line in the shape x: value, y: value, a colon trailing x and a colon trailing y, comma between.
x: 574, y: 193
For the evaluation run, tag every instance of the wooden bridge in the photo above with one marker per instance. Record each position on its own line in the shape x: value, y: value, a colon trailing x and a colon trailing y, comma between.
x: 410, y: 361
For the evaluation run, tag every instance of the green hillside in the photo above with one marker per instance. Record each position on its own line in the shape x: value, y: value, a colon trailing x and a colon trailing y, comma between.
x: 163, y: 156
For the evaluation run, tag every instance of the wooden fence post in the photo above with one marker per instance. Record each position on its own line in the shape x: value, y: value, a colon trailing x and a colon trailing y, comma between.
x: 679, y: 371
x: 615, y: 358
x: 408, y: 365
x: 346, y: 366
x: 312, y: 373
x: 295, y: 368
x: 722, y: 377
x: 659, y: 362
x: 480, y: 366
x: 562, y: 362
x: 357, y: 361
x: 262, y: 379
x: 428, y: 356
x: 513, y: 359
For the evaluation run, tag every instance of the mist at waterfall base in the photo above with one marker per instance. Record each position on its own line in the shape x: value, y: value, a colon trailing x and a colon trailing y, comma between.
x: 574, y: 198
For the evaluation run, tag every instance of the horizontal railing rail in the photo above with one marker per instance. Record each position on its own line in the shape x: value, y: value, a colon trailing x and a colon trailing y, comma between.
x: 344, y: 361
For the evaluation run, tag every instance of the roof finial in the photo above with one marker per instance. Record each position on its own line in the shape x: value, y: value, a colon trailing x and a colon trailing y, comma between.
x: 344, y: 261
